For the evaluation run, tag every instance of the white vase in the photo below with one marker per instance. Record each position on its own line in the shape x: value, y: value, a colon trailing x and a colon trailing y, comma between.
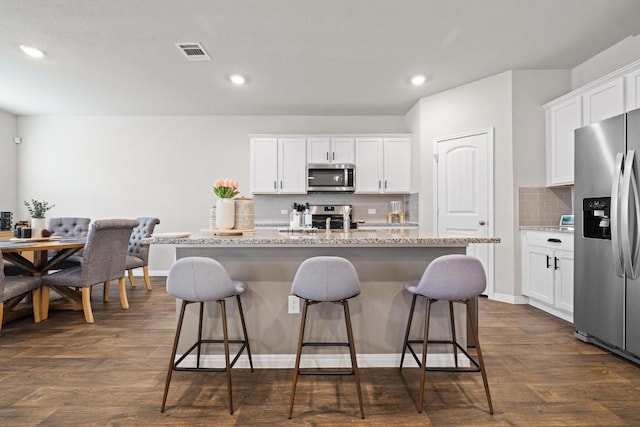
x: 225, y: 213
x: 37, y: 225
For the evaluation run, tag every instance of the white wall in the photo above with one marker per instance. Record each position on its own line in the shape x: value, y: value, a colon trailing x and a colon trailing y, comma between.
x: 8, y: 163
x: 482, y: 104
x: 128, y: 166
x: 617, y: 56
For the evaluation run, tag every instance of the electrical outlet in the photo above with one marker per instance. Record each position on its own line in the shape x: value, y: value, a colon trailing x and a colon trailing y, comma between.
x: 372, y: 211
x: 284, y: 211
x: 294, y: 304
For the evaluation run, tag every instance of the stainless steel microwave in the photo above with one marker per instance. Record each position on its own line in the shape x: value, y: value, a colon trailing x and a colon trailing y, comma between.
x: 331, y: 178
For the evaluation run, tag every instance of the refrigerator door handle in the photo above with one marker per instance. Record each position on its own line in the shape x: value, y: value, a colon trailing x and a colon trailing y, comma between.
x: 615, y: 220
x: 629, y: 250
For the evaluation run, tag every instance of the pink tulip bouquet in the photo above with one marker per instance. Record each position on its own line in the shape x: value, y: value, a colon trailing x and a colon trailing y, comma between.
x: 225, y: 188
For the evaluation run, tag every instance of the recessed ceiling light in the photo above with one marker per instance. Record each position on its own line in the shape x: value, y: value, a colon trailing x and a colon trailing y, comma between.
x: 32, y: 51
x: 237, y: 79
x: 418, y: 80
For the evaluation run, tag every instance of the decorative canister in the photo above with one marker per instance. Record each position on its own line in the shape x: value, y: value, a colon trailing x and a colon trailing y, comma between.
x: 212, y: 217
x: 244, y: 218
x: 225, y: 214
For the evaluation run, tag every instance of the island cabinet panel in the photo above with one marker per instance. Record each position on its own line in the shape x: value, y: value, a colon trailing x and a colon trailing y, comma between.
x: 277, y: 165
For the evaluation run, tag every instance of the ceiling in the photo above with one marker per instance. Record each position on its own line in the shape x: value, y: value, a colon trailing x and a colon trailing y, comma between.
x: 301, y: 57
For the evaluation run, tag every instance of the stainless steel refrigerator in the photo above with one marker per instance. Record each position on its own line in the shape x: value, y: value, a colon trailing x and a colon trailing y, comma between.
x: 607, y: 234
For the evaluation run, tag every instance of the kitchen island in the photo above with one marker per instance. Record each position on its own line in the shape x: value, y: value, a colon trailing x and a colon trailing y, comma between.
x: 268, y: 260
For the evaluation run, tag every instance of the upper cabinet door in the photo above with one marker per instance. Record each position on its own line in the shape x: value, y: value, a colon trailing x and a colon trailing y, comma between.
x: 264, y: 165
x: 292, y: 168
x: 632, y: 81
x: 330, y: 150
x: 397, y: 165
x: 369, y: 165
x: 343, y: 150
x: 318, y: 150
x: 562, y: 120
x: 603, y: 101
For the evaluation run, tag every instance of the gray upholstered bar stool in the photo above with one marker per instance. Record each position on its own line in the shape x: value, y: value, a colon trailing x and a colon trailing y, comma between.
x: 326, y: 279
x: 452, y: 278
x: 200, y: 280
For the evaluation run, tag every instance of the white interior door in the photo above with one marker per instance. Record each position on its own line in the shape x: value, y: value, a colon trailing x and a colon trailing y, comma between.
x: 464, y: 191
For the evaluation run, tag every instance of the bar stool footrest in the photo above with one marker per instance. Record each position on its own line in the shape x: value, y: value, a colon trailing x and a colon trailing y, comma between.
x: 475, y: 363
x: 197, y: 344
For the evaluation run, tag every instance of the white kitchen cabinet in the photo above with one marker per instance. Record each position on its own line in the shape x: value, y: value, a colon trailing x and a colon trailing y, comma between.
x: 603, y: 101
x: 547, y: 271
x: 278, y: 165
x: 330, y: 150
x: 383, y: 165
x: 562, y: 119
x: 632, y: 83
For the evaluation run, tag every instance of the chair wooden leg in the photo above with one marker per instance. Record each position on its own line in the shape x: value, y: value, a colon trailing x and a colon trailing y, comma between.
x: 423, y: 367
x: 453, y: 334
x: 105, y: 291
x: 36, y: 300
x: 244, y: 330
x: 131, y: 279
x: 44, y: 302
x: 86, y: 304
x: 294, y: 383
x: 173, y: 356
x: 474, y: 330
x: 406, y: 334
x: 122, y: 286
x: 147, y: 279
x: 352, y: 350
x: 1, y: 313
x: 227, y: 360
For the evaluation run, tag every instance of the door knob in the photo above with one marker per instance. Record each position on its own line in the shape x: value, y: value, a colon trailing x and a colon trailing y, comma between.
x: 481, y: 222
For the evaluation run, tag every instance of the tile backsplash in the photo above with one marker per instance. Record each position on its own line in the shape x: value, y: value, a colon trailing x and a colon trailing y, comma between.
x: 268, y: 207
x: 544, y: 205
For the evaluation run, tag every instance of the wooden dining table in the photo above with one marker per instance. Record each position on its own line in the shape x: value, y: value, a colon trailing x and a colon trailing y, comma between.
x: 39, y: 263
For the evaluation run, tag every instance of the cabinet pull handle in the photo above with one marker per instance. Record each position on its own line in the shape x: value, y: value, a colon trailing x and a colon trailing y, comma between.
x: 327, y: 155
x: 548, y: 261
x: 281, y: 185
x: 554, y: 240
x: 379, y: 184
x: 555, y: 263
x: 385, y: 184
x: 333, y: 155
x: 275, y: 186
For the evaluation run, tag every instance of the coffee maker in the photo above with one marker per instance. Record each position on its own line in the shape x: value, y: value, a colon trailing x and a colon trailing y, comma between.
x: 396, y: 212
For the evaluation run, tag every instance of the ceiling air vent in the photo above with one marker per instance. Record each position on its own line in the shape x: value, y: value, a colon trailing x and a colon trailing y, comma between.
x: 193, y: 51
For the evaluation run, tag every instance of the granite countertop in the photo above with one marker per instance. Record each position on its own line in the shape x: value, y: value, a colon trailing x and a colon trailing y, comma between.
x: 554, y: 229
x: 369, y: 238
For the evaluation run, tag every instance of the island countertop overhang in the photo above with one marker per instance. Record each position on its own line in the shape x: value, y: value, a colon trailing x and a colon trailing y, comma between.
x: 368, y: 238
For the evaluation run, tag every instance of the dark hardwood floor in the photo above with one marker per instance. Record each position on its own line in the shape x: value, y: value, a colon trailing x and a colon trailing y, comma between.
x: 64, y: 372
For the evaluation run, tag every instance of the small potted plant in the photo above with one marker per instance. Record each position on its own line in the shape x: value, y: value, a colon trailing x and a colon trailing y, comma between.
x: 37, y: 211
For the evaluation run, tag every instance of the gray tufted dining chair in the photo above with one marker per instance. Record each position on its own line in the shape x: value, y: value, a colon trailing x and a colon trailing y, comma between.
x: 103, y: 260
x: 13, y: 289
x: 68, y: 227
x: 138, y: 254
x: 450, y: 278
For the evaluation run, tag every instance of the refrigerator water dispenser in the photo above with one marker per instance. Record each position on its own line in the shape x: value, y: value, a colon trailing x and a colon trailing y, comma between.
x: 596, y: 220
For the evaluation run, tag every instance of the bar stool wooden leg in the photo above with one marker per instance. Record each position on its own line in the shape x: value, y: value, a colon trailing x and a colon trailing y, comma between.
x: 244, y: 330
x: 303, y: 321
x: 474, y: 330
x: 227, y: 361
x: 352, y: 350
x: 200, y: 317
x: 423, y: 368
x: 453, y: 334
x: 406, y: 334
x: 173, y: 355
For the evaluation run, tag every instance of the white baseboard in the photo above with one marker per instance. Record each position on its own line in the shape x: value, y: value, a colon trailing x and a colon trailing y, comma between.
x: 137, y: 272
x: 511, y: 299
x: 287, y: 361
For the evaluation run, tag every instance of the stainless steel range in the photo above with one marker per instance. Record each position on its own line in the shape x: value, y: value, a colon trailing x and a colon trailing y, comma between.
x: 333, y: 213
